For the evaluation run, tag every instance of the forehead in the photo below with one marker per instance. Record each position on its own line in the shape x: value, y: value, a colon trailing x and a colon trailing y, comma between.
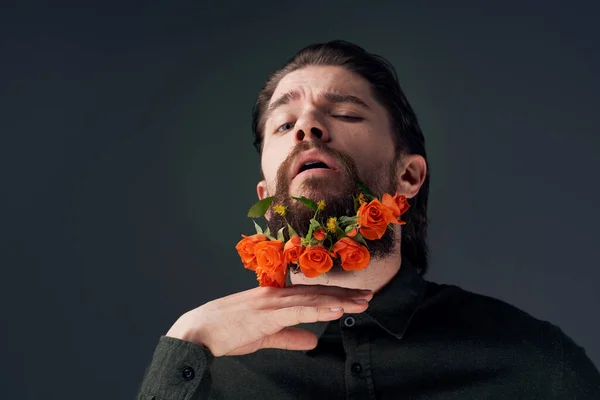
x: 321, y: 79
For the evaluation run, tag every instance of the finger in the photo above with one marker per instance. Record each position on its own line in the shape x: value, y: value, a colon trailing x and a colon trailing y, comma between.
x: 320, y: 301
x: 291, y: 339
x: 336, y: 291
x: 287, y: 339
x: 291, y: 316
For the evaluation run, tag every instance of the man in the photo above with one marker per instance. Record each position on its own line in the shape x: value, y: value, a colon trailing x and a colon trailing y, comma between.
x: 333, y: 116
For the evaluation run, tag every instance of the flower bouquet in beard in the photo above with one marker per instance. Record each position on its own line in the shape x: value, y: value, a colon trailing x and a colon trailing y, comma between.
x: 270, y: 255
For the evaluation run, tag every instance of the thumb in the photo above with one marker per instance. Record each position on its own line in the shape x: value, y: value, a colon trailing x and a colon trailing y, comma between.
x: 291, y: 339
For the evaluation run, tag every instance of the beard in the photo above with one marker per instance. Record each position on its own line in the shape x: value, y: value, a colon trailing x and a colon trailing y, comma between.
x: 338, y: 194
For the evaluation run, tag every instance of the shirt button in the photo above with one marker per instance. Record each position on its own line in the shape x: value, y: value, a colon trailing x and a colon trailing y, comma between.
x: 188, y: 373
x: 349, y: 322
x: 356, y: 369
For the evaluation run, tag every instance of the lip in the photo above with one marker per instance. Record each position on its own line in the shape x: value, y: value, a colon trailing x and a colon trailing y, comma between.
x: 316, y: 172
x: 313, y: 155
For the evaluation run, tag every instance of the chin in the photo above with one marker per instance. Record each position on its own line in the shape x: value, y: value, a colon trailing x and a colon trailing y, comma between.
x: 317, y: 186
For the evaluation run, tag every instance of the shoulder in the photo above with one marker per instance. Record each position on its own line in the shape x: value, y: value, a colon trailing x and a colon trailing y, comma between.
x: 499, y: 330
x: 453, y: 306
x: 487, y: 326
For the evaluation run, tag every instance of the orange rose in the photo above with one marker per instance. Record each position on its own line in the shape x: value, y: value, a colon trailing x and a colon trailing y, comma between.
x: 315, y: 260
x: 272, y: 279
x: 319, y: 234
x: 353, y: 255
x: 374, y: 218
x: 292, y: 250
x: 397, y: 204
x: 245, y: 248
x: 269, y: 255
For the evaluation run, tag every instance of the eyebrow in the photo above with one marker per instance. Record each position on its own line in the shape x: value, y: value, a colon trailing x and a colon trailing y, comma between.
x: 331, y: 97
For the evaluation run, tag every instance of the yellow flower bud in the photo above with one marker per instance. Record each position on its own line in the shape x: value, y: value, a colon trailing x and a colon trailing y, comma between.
x: 331, y: 224
x: 280, y: 209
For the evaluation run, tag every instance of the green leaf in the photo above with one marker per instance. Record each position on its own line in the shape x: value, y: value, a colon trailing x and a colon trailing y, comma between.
x: 309, y: 233
x: 360, y: 239
x: 307, y: 202
x: 280, y: 235
x: 313, y: 242
x: 309, y: 241
x: 268, y: 232
x: 271, y: 237
x: 364, y: 189
x: 349, y: 228
x: 339, y: 233
x: 291, y: 231
x: 314, y: 223
x: 348, y: 220
x: 259, y: 209
x: 257, y: 227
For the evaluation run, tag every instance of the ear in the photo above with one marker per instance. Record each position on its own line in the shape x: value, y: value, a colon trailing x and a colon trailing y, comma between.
x: 412, y: 170
x: 262, y: 192
x: 261, y: 189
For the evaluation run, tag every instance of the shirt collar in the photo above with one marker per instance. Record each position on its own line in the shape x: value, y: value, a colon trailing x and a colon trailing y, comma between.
x: 393, y: 306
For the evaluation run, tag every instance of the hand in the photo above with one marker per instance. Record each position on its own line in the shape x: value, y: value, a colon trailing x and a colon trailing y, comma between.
x: 262, y: 317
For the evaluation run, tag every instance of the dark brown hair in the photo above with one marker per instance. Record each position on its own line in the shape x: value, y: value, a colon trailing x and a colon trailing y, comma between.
x: 409, y: 139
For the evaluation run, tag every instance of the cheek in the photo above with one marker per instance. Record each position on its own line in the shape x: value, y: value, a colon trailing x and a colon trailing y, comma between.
x: 370, y: 151
x: 274, y: 154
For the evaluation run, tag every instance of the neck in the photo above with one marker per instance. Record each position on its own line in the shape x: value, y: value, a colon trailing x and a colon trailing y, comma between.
x: 375, y: 276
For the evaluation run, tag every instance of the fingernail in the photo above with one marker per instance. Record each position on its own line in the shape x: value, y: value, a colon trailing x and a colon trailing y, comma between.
x: 360, y: 301
x: 336, y: 309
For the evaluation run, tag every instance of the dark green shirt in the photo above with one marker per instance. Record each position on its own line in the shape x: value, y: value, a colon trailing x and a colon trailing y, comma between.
x: 417, y: 340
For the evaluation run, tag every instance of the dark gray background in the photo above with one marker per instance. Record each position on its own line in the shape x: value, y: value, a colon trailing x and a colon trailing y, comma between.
x: 127, y: 164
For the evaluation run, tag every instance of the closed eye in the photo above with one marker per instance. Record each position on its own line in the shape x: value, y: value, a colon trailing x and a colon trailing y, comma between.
x: 349, y: 118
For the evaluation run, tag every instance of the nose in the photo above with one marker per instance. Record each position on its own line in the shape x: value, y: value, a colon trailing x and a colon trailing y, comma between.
x: 311, y: 129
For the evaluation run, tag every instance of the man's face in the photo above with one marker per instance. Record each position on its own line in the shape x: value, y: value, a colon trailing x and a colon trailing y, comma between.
x: 324, y: 107
x: 323, y: 132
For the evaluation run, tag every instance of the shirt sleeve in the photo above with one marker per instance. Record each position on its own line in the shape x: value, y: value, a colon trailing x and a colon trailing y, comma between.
x: 179, y: 370
x: 580, y: 379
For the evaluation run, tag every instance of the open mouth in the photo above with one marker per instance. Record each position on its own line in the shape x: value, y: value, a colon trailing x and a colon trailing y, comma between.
x: 312, y: 165
x: 316, y: 161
